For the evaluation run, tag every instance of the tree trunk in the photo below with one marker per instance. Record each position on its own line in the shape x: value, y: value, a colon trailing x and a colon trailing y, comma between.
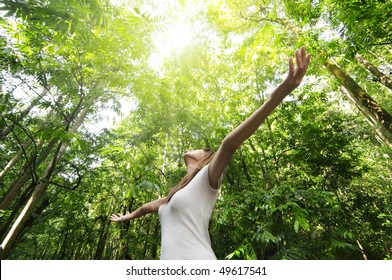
x: 38, y: 191
x: 31, y: 165
x: 22, y: 200
x: 20, y: 221
x: 362, y: 250
x: 245, y: 168
x: 363, y: 101
x: 380, y: 135
x: 146, y: 244
x: 155, y: 241
x: 14, y: 190
x: 265, y: 173
x: 380, y: 76
x: 102, y: 239
x: 17, y: 185
x: 14, y: 160
x: 61, y: 254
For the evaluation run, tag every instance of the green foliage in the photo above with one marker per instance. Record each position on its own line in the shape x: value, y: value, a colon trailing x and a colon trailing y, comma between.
x: 373, y: 16
x: 313, y: 182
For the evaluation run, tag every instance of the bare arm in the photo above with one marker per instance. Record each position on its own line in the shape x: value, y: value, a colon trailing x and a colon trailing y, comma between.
x: 235, y: 139
x: 147, y: 208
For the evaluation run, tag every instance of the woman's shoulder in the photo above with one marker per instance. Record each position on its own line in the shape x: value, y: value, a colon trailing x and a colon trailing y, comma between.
x: 207, y: 176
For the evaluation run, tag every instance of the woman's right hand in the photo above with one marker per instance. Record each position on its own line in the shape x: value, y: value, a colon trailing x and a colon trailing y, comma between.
x: 119, y: 217
x: 149, y: 207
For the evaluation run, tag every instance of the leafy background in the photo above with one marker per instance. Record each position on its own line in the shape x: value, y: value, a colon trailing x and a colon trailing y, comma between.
x: 314, y: 182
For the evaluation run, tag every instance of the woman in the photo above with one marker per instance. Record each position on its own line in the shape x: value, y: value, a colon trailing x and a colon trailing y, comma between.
x: 185, y: 212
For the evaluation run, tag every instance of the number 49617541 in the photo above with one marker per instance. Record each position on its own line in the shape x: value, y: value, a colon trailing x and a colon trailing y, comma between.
x: 242, y: 270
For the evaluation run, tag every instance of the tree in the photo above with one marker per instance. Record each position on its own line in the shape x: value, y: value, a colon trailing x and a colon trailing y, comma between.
x: 65, y: 52
x: 379, y: 76
x: 312, y: 183
x: 380, y: 119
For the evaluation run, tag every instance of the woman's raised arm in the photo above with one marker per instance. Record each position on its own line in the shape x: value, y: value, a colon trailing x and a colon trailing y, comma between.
x: 234, y: 140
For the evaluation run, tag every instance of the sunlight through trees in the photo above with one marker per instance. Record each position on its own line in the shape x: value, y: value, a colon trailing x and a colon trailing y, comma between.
x: 99, y: 100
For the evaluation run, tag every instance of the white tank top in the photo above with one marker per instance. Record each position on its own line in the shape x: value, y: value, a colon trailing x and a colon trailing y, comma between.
x: 184, y: 221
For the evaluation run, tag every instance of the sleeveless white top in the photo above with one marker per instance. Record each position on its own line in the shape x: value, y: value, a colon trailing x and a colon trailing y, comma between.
x: 184, y: 221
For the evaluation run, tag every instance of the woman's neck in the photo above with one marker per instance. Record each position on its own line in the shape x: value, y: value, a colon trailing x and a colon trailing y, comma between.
x: 191, y: 167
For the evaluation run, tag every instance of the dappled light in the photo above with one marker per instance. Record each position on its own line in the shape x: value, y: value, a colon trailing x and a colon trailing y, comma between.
x: 101, y: 99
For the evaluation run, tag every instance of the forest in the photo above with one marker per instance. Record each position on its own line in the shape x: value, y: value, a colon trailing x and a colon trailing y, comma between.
x: 99, y: 100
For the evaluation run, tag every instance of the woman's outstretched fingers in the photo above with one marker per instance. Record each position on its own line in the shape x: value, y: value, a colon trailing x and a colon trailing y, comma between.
x: 115, y: 217
x: 298, y: 71
x: 304, y: 61
x: 298, y: 58
x: 308, y: 56
x: 303, y: 54
x: 291, y: 67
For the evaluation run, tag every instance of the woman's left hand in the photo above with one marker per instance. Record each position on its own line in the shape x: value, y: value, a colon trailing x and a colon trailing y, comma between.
x: 296, y: 74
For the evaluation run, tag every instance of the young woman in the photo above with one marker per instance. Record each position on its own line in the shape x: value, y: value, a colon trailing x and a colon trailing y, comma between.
x: 185, y: 212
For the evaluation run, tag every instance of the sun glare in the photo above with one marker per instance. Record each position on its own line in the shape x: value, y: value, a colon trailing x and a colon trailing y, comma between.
x: 174, y: 39
x: 171, y: 40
